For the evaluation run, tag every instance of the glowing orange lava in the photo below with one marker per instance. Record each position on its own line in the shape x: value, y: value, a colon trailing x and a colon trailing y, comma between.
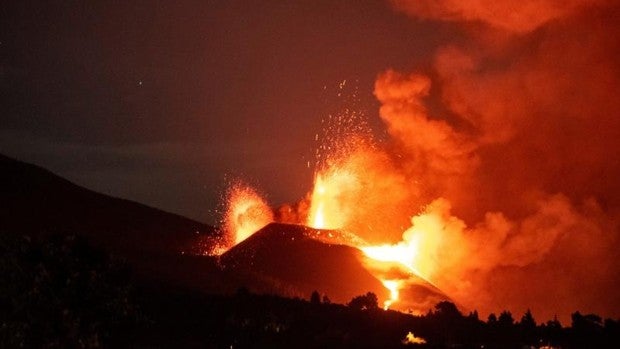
x: 356, y: 192
x: 403, y: 253
x: 394, y: 287
x: 328, y: 207
x: 331, y: 201
x: 412, y: 339
x: 316, y: 218
x: 246, y: 213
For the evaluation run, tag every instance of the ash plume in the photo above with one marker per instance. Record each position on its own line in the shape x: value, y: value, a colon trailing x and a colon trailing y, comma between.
x: 517, y: 172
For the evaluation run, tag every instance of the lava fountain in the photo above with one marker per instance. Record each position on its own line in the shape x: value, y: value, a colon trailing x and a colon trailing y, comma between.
x: 325, y: 213
x: 328, y: 205
x: 246, y: 212
x: 339, y: 200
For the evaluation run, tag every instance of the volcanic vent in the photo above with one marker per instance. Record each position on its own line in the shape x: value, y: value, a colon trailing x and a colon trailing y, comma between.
x: 295, y: 260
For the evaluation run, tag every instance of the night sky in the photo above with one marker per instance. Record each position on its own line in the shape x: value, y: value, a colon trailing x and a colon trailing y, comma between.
x: 163, y: 101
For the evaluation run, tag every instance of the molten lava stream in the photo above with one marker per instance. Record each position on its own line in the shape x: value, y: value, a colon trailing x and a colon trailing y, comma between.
x: 326, y: 213
x: 336, y: 191
x: 404, y: 254
x: 394, y: 287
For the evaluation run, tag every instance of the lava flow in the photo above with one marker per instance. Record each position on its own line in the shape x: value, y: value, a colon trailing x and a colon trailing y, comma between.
x: 393, y: 286
x: 328, y: 210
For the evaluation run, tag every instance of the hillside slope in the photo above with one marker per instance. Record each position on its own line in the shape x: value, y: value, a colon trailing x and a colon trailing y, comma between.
x: 36, y: 201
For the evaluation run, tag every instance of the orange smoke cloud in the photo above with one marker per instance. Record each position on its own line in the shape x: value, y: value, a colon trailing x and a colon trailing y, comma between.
x: 517, y: 16
x: 449, y: 252
x: 432, y: 151
x: 520, y: 164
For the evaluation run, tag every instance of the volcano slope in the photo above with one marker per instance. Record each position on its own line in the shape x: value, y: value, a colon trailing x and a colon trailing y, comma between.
x: 158, y: 245
x: 294, y: 260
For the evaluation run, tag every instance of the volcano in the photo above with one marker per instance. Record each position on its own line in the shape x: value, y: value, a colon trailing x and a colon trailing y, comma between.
x: 285, y: 259
x: 282, y: 259
x: 295, y: 260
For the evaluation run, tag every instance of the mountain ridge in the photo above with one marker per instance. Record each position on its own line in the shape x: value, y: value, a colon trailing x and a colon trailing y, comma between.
x: 37, y: 201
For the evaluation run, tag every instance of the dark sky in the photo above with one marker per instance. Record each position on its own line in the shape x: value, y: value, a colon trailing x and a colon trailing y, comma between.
x: 159, y: 101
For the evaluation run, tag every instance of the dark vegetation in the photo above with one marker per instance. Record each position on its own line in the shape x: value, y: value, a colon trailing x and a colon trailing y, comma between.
x: 60, y: 292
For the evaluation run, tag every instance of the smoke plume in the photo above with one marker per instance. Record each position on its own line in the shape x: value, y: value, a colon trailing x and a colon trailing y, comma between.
x: 518, y: 172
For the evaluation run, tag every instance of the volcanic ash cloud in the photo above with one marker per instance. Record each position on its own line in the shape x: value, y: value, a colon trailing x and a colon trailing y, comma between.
x: 519, y: 166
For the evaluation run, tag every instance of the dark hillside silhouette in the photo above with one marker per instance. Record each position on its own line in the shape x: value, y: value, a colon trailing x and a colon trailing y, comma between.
x: 280, y: 258
x: 36, y: 201
x: 60, y: 292
x: 159, y: 246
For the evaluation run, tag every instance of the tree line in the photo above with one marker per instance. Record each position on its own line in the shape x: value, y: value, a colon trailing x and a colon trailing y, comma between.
x: 60, y: 292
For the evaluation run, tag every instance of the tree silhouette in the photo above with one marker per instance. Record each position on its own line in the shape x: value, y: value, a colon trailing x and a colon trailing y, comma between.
x: 612, y: 332
x: 447, y: 310
x: 61, y: 292
x: 552, y: 331
x: 504, y: 329
x: 449, y: 322
x: 315, y: 298
x: 527, y: 325
x: 527, y: 321
x: 505, y: 319
x: 365, y: 302
x: 587, y: 329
